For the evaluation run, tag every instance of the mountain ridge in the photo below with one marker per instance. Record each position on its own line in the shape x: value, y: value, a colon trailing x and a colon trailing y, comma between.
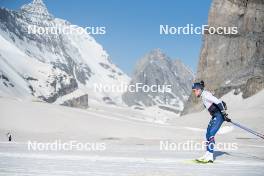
x: 53, y: 65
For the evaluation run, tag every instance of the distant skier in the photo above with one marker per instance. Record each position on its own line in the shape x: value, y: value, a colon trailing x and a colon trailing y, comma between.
x: 9, y: 136
x: 216, y: 109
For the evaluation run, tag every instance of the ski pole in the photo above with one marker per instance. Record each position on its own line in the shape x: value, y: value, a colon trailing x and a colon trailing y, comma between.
x: 248, y: 130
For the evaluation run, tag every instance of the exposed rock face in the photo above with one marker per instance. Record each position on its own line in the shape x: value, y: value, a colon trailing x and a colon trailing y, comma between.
x: 233, y: 61
x: 79, y: 102
x: 155, y: 68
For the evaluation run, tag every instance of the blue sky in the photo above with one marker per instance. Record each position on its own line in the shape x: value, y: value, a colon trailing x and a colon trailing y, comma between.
x: 132, y: 26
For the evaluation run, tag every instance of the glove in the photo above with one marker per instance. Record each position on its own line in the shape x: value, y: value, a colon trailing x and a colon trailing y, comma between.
x: 225, y: 115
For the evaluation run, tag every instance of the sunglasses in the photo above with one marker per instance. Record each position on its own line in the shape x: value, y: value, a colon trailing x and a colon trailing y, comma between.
x: 195, y: 90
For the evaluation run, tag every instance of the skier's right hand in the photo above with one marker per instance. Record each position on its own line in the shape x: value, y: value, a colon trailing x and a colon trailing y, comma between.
x: 226, y: 118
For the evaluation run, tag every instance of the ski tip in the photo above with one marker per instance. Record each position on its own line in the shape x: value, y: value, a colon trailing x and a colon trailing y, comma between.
x: 195, y: 161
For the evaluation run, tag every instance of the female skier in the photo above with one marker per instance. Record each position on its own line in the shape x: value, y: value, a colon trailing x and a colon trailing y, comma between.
x: 216, y: 109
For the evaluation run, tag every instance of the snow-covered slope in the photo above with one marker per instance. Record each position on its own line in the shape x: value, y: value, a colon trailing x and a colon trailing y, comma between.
x: 51, y: 65
x: 103, y: 121
x: 132, y: 143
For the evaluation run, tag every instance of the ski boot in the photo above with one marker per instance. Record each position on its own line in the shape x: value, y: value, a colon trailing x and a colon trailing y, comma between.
x: 207, y: 158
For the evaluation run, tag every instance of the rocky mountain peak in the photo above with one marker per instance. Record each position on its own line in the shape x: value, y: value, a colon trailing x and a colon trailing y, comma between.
x: 155, y: 57
x: 156, y: 68
x: 36, y: 8
x: 156, y: 54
